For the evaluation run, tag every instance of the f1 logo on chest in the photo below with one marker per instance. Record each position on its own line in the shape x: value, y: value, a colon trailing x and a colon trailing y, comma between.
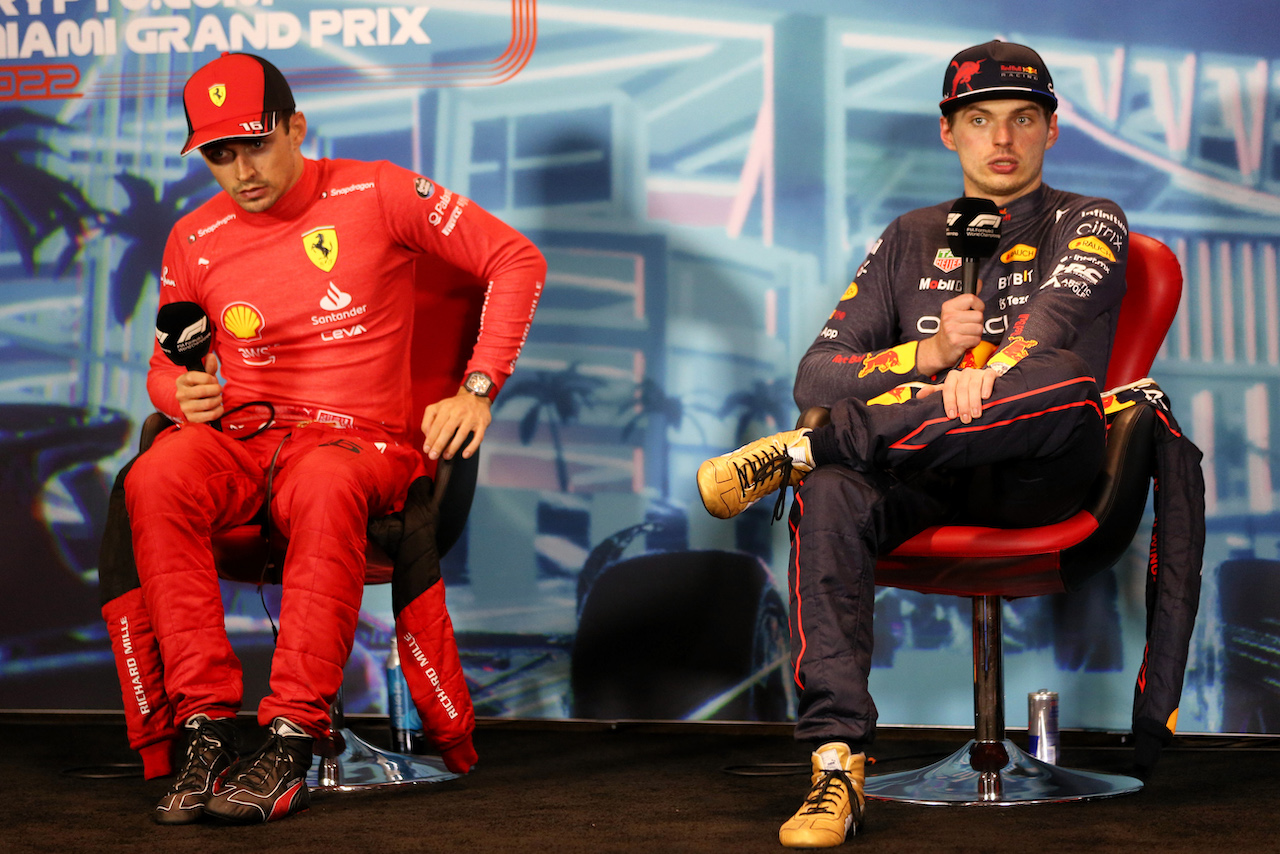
x: 321, y: 246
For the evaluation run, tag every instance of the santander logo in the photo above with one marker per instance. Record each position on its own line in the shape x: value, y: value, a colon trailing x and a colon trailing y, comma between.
x: 335, y: 300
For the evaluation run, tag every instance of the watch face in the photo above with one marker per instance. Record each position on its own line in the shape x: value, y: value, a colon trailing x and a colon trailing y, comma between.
x: 479, y: 384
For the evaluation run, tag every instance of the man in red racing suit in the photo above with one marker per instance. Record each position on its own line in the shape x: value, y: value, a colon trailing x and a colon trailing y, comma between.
x: 305, y: 269
x: 943, y: 405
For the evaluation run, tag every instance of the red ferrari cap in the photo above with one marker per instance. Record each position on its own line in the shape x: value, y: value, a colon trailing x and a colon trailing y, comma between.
x: 237, y: 95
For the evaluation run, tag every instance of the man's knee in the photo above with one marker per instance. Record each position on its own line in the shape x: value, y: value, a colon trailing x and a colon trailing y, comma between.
x: 834, y: 498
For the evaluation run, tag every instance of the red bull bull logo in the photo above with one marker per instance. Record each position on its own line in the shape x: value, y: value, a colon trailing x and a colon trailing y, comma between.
x: 881, y: 362
x: 977, y: 356
x: 899, y: 360
x: 964, y: 74
x: 1012, y: 353
x: 1017, y: 348
x: 897, y: 394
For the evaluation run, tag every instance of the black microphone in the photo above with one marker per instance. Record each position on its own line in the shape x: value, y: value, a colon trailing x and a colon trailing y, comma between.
x: 973, y: 233
x: 185, y: 335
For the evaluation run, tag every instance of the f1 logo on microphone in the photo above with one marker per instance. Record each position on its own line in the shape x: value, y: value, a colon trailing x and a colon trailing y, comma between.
x: 985, y: 221
x: 197, y: 328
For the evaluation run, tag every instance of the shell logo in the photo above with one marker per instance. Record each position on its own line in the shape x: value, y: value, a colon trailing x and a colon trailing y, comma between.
x: 243, y: 321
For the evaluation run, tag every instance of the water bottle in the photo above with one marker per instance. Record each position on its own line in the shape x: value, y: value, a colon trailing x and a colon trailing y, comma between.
x: 406, y: 726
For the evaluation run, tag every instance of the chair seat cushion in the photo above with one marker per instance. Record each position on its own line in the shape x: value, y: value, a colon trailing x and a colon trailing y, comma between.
x: 968, y: 560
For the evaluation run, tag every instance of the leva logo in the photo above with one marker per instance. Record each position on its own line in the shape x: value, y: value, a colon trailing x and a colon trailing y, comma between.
x: 321, y: 245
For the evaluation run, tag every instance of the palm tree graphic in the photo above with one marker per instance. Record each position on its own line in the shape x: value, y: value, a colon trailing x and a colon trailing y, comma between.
x: 561, y: 396
x: 766, y: 403
x: 35, y: 204
x: 144, y: 224
x: 654, y: 409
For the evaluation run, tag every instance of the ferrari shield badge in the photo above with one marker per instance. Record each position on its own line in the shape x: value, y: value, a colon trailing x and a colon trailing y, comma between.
x: 321, y: 245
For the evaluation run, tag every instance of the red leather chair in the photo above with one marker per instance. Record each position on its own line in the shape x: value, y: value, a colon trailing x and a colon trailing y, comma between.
x: 446, y: 315
x: 986, y: 564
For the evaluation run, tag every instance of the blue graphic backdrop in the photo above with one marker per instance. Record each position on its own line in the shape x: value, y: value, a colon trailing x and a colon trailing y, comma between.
x: 703, y: 179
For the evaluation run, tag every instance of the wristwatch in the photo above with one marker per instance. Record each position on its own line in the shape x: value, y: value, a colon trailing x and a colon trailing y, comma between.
x: 478, y: 383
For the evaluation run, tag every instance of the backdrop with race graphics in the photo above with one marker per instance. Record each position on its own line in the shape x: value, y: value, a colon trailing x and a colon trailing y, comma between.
x: 703, y: 178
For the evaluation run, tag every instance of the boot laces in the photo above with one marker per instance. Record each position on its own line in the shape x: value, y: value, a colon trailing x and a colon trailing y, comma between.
x: 757, y: 468
x: 822, y: 798
x: 200, y: 758
x: 273, y: 755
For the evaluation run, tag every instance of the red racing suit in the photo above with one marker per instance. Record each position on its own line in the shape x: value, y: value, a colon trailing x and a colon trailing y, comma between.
x: 313, y: 306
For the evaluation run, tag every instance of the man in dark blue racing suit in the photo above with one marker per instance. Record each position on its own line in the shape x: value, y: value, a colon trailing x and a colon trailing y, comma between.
x: 945, y: 406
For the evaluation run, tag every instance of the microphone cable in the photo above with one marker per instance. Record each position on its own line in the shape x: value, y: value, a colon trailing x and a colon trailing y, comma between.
x: 266, y: 527
x: 264, y: 426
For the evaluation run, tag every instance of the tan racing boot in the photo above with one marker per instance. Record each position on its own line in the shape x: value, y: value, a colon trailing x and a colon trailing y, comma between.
x: 835, y: 805
x: 733, y: 482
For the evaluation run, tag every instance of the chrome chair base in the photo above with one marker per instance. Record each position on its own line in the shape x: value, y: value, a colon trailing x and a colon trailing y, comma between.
x: 1015, y: 777
x: 358, y: 765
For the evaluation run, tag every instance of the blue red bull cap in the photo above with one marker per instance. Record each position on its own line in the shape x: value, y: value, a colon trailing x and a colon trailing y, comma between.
x: 997, y: 70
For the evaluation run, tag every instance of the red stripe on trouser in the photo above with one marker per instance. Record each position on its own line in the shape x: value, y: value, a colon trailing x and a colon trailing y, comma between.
x: 433, y: 671
x: 798, y: 628
x: 147, y: 714
x: 988, y: 407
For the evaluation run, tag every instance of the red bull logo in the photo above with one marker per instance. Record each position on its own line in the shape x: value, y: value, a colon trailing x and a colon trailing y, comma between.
x: 964, y: 74
x: 977, y: 356
x: 1017, y: 348
x: 879, y: 362
x: 897, y: 394
x: 899, y: 360
x: 1012, y: 353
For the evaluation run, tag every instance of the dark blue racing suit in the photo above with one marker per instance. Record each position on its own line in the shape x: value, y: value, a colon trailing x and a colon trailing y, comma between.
x: 891, y: 464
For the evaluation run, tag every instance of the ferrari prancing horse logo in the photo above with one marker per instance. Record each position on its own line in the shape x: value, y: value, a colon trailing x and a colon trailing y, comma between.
x: 321, y: 245
x: 218, y: 94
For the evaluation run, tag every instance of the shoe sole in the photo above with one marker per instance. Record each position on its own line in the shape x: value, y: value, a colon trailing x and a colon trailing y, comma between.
x: 717, y: 486
x: 297, y: 799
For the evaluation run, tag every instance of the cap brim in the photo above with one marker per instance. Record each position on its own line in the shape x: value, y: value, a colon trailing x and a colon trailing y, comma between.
x: 996, y: 93
x: 232, y: 128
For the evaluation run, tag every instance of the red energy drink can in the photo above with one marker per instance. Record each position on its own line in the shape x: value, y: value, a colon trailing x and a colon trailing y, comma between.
x: 1042, y: 725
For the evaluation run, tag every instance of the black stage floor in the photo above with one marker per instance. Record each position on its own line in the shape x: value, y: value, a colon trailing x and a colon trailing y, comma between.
x: 566, y: 787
